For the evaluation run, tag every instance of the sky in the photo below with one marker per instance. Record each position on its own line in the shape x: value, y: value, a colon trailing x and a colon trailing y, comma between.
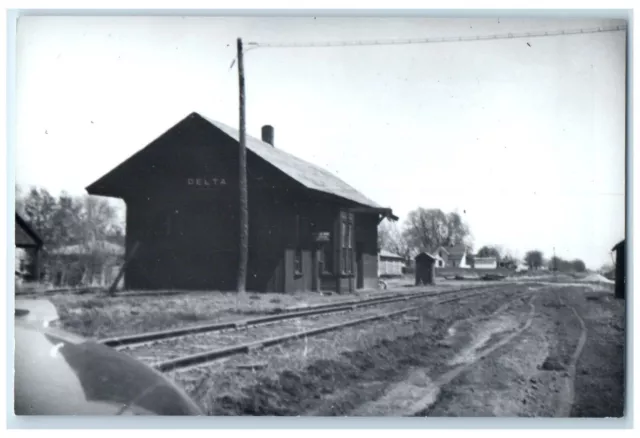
x: 524, y: 137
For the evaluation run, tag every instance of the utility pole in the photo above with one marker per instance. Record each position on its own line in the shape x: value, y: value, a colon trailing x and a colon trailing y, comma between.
x: 242, y: 180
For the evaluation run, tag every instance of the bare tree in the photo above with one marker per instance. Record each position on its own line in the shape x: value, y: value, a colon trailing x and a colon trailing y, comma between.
x: 98, y: 219
x: 39, y: 208
x: 391, y: 238
x: 67, y: 221
x: 428, y: 229
x: 509, y: 261
x: 457, y: 231
x: 489, y: 251
x: 578, y: 265
x: 534, y: 259
x: 559, y: 264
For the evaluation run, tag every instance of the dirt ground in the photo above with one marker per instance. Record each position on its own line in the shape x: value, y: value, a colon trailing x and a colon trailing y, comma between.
x: 542, y: 371
x: 551, y: 373
x: 510, y: 353
x: 600, y: 376
x: 332, y: 374
x: 547, y: 349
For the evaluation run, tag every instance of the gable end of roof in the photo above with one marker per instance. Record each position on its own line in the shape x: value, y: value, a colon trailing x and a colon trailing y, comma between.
x: 309, y: 175
x: 28, y: 229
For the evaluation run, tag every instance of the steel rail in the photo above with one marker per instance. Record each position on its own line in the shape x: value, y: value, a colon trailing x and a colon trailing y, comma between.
x: 206, y: 357
x: 322, y: 309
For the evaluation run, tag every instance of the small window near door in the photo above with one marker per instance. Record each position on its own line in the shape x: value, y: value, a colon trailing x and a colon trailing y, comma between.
x: 347, y: 243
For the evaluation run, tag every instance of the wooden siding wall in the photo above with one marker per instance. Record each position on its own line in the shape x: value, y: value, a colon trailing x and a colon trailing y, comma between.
x: 366, y: 231
x: 390, y: 267
x: 192, y: 246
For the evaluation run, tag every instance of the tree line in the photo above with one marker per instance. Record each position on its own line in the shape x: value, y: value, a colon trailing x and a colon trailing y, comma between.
x: 66, y: 220
x: 429, y: 229
x: 535, y: 260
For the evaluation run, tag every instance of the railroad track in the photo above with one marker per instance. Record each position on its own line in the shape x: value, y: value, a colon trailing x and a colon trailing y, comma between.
x: 168, y: 350
x: 121, y: 342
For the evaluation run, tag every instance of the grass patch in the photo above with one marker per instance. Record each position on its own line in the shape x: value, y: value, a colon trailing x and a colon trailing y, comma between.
x: 100, y: 316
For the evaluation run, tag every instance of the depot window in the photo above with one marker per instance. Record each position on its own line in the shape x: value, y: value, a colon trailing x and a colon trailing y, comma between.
x: 346, y: 252
x: 297, y: 258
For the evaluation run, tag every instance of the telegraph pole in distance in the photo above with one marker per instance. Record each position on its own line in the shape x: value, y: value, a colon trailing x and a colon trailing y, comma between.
x: 242, y: 180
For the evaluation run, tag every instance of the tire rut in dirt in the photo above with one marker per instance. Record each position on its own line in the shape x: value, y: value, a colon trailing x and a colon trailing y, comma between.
x: 336, y: 386
x: 485, y: 384
x: 600, y: 371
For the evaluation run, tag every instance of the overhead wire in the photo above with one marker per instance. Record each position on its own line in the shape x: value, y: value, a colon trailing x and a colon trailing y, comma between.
x: 253, y: 45
x: 404, y: 41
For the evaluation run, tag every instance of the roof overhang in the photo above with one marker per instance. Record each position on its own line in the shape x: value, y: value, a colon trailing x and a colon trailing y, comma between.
x: 384, y: 212
x: 618, y: 245
x: 38, y: 242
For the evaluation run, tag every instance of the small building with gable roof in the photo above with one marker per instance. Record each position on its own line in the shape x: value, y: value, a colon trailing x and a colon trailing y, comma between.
x: 28, y: 245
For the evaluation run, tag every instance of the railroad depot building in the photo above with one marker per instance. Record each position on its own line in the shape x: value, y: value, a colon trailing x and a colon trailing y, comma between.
x: 308, y: 230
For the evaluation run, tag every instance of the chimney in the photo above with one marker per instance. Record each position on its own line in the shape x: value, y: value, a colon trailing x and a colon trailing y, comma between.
x: 267, y: 134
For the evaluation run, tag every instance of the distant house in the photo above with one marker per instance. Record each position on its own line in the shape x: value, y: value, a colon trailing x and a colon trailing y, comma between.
x: 28, y: 247
x: 441, y: 257
x: 456, y: 256
x: 390, y: 264
x: 485, y: 262
x: 95, y: 263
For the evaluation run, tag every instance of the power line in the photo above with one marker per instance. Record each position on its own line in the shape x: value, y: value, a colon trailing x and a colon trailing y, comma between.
x: 406, y: 41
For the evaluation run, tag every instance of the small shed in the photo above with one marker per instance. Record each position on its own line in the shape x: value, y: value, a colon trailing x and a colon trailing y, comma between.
x: 27, y: 239
x: 425, y: 268
x: 390, y: 264
x: 621, y: 275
